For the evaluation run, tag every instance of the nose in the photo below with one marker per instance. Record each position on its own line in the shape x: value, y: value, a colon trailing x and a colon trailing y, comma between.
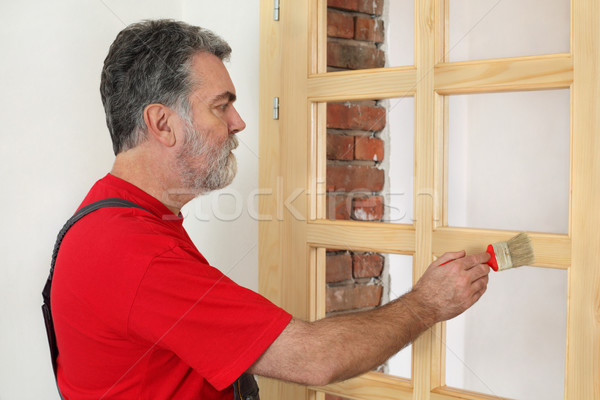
x: 236, y: 124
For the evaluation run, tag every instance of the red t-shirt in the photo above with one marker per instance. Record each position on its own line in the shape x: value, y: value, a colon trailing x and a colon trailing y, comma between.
x: 140, y: 314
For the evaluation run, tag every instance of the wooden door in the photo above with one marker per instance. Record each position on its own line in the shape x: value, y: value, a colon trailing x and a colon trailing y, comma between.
x: 294, y: 233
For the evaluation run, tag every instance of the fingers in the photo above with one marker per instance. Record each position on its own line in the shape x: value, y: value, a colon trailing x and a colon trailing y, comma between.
x: 480, y: 288
x: 448, y: 257
x: 475, y: 259
x: 479, y: 271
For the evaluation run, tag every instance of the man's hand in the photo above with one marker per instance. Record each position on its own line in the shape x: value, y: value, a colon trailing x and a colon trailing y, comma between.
x: 449, y: 289
x: 343, y: 346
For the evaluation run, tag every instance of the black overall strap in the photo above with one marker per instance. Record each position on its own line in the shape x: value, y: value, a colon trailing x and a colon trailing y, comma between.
x: 112, y: 202
x: 245, y: 388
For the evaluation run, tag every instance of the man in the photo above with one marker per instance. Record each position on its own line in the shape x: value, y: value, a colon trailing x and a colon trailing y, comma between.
x: 138, y: 312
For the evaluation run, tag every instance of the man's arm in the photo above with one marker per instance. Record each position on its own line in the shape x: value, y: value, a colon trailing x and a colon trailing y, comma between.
x: 341, y: 347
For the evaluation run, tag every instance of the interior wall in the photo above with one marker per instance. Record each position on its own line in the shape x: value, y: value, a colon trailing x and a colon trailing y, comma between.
x: 224, y: 224
x: 56, y: 145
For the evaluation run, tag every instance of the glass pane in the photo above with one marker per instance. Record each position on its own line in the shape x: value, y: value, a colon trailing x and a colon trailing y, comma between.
x: 361, y: 281
x: 483, y: 29
x: 370, y: 160
x: 512, y: 343
x: 369, y: 34
x: 509, y: 161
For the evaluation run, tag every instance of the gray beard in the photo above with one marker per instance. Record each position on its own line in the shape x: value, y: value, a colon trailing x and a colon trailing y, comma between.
x: 220, y: 164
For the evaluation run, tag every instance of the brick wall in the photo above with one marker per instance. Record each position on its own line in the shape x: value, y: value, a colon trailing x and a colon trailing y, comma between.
x: 355, y: 152
x: 354, y: 34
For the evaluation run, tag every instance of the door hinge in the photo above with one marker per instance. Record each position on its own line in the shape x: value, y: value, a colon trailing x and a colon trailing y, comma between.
x: 275, y: 10
x: 275, y: 107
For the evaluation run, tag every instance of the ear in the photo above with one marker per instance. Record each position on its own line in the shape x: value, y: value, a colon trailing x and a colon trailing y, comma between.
x: 160, y: 123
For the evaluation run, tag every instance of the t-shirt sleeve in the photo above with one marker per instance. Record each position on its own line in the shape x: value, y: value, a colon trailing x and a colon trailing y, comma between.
x: 214, y: 325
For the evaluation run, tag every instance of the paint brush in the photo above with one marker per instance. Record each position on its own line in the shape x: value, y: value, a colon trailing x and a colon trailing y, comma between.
x: 515, y: 252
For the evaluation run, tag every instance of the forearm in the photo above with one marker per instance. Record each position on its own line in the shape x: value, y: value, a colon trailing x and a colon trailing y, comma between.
x: 352, y: 344
x: 340, y: 347
x: 343, y: 346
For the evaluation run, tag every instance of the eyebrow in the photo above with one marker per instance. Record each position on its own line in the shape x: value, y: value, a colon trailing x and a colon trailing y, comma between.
x: 224, y: 96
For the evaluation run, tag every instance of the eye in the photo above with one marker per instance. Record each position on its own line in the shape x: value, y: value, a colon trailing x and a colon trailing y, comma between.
x: 223, y: 107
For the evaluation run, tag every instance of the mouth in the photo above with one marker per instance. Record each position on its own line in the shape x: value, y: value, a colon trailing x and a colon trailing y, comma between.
x: 233, y: 143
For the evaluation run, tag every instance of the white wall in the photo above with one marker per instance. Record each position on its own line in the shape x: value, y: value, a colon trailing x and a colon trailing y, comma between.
x: 221, y: 223
x: 55, y: 145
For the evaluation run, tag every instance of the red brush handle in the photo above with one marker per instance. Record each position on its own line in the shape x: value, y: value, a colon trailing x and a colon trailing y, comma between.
x: 493, y: 263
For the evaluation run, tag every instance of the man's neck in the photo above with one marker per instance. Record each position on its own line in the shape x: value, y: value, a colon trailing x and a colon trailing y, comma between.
x: 138, y: 168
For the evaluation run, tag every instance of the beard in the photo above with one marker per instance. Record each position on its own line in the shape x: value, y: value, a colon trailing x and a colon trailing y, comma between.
x: 204, y: 167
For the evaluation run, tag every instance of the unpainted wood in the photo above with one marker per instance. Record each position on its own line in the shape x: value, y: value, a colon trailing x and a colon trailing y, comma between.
x: 371, y: 386
x: 551, y: 250
x: 438, y: 334
x: 508, y: 74
x: 269, y: 251
x: 362, y: 236
x: 579, y: 249
x: 425, y: 138
x: 583, y: 324
x: 448, y: 393
x: 378, y: 83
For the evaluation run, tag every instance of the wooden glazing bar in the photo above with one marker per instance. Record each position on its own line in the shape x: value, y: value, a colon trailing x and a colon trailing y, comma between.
x: 425, y: 143
x: 371, y: 386
x: 505, y: 74
x: 438, y: 336
x: 447, y: 393
x: 362, y: 236
x: 380, y: 83
x: 318, y: 278
x: 551, y: 250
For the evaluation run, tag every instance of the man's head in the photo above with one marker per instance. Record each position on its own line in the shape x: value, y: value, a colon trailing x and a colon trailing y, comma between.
x: 149, y: 62
x: 167, y: 93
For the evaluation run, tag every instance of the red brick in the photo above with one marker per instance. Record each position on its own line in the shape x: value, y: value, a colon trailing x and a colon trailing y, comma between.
x: 368, y: 148
x: 368, y: 29
x: 351, y: 177
x: 338, y: 267
x: 354, y: 55
x: 353, y: 116
x: 340, y: 147
x: 339, y: 206
x: 343, y: 298
x: 368, y: 208
x: 343, y: 4
x: 374, y: 7
x: 367, y: 265
x: 340, y: 25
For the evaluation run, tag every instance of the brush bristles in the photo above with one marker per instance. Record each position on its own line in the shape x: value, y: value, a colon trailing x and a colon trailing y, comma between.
x: 521, y: 252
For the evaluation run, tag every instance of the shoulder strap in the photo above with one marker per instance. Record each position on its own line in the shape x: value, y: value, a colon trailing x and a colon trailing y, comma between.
x: 111, y: 202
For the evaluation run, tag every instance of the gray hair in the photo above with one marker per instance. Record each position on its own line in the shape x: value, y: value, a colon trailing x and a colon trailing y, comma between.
x: 149, y: 62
